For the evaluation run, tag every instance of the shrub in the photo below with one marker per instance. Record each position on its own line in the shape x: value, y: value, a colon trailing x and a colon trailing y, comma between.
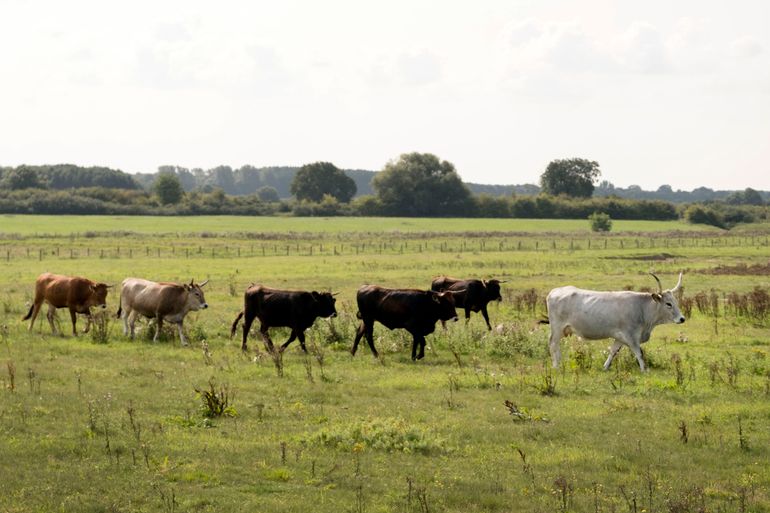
x: 600, y: 222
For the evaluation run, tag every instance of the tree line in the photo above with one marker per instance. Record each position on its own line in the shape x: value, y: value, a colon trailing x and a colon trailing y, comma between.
x: 414, y: 185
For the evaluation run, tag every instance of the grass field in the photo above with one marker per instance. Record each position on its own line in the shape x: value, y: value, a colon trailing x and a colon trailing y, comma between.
x: 115, y: 425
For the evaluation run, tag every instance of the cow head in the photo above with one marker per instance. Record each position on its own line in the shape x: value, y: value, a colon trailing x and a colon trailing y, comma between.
x: 325, y: 303
x: 492, y: 288
x: 667, y: 301
x: 446, y: 304
x: 98, y: 296
x: 195, y: 298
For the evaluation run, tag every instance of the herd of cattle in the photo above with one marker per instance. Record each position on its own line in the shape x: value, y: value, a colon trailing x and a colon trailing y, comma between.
x: 627, y: 317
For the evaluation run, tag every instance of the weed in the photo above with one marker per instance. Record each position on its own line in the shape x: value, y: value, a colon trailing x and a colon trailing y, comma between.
x: 684, y: 434
x: 11, y: 375
x: 216, y: 401
x: 676, y: 360
x: 546, y: 383
x: 100, y: 328
x: 564, y: 490
x: 743, y: 440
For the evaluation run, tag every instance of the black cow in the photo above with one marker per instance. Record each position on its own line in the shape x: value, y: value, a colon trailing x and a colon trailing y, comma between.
x: 295, y: 309
x: 472, y: 295
x: 414, y: 310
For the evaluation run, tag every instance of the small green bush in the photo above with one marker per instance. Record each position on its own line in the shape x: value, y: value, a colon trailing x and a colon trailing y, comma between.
x: 600, y: 222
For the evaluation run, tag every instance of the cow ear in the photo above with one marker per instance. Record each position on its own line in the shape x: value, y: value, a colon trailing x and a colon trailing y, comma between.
x: 656, y: 297
x: 315, y: 295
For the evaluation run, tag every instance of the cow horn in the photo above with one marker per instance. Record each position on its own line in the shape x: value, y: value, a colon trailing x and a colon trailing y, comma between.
x: 660, y: 287
x: 678, y: 283
x: 335, y: 294
x: 203, y: 283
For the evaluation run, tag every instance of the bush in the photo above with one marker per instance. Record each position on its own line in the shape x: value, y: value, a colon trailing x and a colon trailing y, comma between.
x: 600, y: 222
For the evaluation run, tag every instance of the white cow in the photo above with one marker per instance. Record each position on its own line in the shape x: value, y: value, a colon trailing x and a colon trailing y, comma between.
x: 628, y: 317
x: 159, y: 301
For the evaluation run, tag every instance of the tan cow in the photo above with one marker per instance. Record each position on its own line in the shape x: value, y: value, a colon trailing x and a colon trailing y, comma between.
x: 73, y: 292
x: 160, y: 301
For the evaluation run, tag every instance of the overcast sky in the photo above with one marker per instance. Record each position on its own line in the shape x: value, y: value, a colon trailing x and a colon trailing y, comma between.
x: 658, y: 92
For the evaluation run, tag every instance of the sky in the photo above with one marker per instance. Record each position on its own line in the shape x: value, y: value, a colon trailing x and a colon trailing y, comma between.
x: 657, y: 92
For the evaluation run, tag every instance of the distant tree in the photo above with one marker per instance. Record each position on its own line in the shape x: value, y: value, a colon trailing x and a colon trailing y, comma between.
x: 267, y: 193
x: 573, y: 177
x: 168, y: 188
x: 22, y: 177
x: 419, y: 184
x: 223, y: 177
x: 313, y: 181
x: 746, y: 197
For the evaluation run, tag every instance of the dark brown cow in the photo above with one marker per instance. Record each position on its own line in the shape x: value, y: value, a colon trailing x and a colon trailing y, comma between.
x: 73, y: 292
x: 414, y: 310
x: 471, y: 295
x: 295, y: 309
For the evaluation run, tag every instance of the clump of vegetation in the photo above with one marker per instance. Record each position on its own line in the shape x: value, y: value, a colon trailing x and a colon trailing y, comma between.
x: 600, y: 222
x: 216, y: 401
x: 384, y: 434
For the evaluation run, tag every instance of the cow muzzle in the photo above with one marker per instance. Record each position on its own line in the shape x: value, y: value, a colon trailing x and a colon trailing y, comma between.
x: 103, y: 306
x: 333, y: 315
x: 680, y: 320
x: 204, y: 306
x: 454, y: 319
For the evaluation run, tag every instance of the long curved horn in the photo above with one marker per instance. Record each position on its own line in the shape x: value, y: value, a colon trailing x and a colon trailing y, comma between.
x: 202, y: 284
x: 660, y: 287
x: 678, y: 283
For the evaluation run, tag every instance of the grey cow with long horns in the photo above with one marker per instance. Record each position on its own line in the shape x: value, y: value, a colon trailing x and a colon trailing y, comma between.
x: 625, y: 316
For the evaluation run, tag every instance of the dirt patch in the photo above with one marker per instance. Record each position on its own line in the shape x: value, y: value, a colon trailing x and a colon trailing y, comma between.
x: 657, y: 257
x: 740, y: 270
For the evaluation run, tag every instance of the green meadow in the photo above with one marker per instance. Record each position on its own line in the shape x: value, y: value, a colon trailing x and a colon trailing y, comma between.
x: 99, y: 423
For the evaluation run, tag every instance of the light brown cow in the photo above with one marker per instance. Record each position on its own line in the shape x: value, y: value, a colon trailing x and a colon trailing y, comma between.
x: 73, y: 292
x: 159, y: 301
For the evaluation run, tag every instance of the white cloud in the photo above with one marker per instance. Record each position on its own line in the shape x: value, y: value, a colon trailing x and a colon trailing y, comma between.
x: 746, y: 47
x: 641, y: 49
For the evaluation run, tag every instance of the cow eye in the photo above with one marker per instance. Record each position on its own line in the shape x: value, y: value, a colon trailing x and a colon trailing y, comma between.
x: 669, y: 305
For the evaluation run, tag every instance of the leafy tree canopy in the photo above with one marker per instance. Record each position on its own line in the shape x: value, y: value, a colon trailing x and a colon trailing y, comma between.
x: 168, y: 188
x: 22, y: 177
x: 573, y: 177
x: 313, y: 181
x: 419, y: 184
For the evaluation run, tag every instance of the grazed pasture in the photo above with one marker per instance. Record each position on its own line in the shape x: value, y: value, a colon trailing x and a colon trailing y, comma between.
x: 99, y: 423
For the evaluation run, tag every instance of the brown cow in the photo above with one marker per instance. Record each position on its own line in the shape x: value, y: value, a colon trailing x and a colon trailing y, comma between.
x: 159, y: 301
x: 73, y: 292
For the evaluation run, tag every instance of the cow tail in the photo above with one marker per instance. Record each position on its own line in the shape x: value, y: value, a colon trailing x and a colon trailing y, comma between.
x: 358, y: 315
x: 544, y: 321
x: 29, y: 314
x: 120, y: 308
x: 235, y: 324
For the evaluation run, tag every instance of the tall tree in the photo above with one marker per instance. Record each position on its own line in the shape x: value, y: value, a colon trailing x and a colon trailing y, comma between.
x: 314, y: 180
x: 573, y: 177
x: 419, y: 184
x: 168, y: 188
x: 23, y: 177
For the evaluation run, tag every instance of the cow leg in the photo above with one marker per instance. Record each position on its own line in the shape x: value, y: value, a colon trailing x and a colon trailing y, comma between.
x: 89, y: 321
x: 613, y: 351
x: 370, y: 339
x: 291, y: 339
x: 247, y: 322
x: 74, y: 316
x: 266, y: 338
x: 467, y: 315
x: 553, y: 345
x: 637, y: 349
x: 301, y: 337
x: 158, y: 327
x: 418, y: 341
x: 34, y: 311
x: 181, y: 333
x: 50, y: 316
x: 131, y: 321
x: 359, y: 333
x: 486, y: 316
